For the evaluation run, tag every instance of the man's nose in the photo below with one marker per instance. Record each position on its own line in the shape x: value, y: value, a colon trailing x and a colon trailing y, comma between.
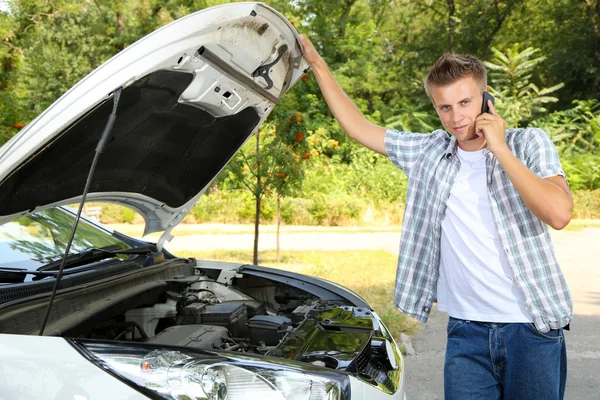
x: 456, y: 116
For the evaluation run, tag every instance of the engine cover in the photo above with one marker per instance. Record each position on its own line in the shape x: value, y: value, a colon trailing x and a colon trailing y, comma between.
x: 197, y: 336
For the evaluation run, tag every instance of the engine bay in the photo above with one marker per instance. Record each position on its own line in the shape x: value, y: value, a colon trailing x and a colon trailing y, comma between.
x: 221, y: 307
x: 262, y: 317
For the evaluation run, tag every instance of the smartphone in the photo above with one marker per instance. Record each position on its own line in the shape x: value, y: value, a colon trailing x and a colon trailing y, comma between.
x: 484, y: 107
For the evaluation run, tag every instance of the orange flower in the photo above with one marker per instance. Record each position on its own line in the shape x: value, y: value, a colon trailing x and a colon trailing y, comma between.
x: 18, y: 126
x: 304, y: 77
x: 281, y: 175
x: 335, y: 143
x: 315, y: 141
x: 299, y: 118
x: 293, y: 23
x: 306, y: 156
x: 299, y: 137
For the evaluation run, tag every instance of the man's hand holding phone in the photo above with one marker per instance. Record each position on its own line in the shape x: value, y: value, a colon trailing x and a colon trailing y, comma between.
x: 491, y: 126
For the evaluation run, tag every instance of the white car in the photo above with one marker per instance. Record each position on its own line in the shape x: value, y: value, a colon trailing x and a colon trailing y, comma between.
x: 128, y: 319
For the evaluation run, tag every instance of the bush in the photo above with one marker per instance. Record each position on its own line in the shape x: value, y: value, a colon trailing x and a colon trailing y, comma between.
x: 318, y: 209
x: 207, y: 209
x: 295, y: 211
x: 116, y: 214
x: 586, y: 204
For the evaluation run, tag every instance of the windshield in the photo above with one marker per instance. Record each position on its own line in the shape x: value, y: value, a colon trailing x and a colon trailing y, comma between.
x: 41, y: 238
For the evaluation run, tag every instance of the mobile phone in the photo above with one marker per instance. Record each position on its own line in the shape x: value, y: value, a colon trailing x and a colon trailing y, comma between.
x: 484, y: 107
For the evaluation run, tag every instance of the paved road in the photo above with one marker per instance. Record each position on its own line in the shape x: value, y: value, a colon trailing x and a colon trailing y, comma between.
x: 579, y: 256
x: 325, y: 240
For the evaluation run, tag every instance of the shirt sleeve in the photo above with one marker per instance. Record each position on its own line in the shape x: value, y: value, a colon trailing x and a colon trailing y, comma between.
x: 541, y: 155
x: 404, y: 148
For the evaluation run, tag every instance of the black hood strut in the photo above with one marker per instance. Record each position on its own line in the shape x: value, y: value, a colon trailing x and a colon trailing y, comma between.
x: 99, y: 148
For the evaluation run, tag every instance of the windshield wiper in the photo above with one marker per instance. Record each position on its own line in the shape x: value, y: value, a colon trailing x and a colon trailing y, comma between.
x: 96, y: 254
x: 17, y: 275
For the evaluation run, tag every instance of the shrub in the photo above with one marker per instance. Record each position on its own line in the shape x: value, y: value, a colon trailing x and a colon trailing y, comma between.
x: 296, y: 211
x: 586, y: 204
x: 116, y: 214
x: 318, y: 209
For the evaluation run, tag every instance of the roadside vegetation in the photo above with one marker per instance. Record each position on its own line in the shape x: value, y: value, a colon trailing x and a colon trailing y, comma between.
x: 301, y: 169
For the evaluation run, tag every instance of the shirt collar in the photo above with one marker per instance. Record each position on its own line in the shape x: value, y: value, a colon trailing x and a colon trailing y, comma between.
x: 451, y: 149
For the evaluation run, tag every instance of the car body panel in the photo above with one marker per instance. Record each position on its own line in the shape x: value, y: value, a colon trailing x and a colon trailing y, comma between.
x: 34, y: 367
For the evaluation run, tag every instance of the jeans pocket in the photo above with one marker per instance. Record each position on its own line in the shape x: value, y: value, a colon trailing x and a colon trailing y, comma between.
x: 554, y: 334
x: 453, y: 325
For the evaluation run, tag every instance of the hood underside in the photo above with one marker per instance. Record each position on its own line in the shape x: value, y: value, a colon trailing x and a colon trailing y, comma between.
x: 158, y: 148
x: 193, y: 92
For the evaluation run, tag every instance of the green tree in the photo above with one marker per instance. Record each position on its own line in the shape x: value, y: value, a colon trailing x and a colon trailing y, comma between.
x: 519, y: 99
x: 272, y: 163
x: 576, y: 134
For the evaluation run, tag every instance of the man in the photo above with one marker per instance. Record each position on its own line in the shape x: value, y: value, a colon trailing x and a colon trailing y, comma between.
x: 475, y: 233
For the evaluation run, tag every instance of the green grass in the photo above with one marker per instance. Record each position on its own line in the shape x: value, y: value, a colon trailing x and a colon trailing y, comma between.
x: 371, y: 274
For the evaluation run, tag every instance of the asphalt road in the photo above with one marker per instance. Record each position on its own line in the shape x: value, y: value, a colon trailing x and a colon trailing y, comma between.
x: 579, y: 257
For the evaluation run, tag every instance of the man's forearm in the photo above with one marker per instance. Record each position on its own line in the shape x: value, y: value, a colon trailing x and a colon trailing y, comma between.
x: 550, y: 202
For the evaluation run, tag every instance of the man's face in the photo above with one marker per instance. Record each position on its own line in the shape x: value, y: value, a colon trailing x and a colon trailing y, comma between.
x: 457, y: 105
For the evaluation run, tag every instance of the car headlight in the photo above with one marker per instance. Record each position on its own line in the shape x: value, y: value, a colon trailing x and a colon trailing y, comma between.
x: 190, y: 374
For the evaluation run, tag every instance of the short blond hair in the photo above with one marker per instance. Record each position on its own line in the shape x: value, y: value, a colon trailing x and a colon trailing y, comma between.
x: 451, y: 67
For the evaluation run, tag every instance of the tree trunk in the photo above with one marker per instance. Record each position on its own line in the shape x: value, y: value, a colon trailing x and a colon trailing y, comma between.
x: 256, y: 224
x: 344, y: 19
x: 257, y: 196
x: 120, y: 44
x: 593, y: 12
x: 451, y: 10
x: 278, y: 223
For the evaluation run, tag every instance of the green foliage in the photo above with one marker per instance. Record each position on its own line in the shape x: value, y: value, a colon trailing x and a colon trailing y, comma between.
x: 112, y: 213
x: 379, y: 50
x: 518, y: 98
x: 586, y: 204
x: 576, y: 134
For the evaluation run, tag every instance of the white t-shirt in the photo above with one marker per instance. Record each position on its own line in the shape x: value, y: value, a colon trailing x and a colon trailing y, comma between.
x: 475, y: 281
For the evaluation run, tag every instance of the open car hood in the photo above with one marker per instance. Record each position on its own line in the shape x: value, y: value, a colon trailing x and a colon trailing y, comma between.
x: 193, y: 92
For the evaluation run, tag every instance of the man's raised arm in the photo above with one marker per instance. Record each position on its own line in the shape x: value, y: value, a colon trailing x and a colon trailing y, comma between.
x: 344, y: 110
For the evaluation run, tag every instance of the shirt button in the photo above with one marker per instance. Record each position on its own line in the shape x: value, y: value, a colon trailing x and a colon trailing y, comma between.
x: 426, y: 309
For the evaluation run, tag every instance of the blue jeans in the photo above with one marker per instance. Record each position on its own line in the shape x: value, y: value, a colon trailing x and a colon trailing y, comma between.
x: 490, y: 361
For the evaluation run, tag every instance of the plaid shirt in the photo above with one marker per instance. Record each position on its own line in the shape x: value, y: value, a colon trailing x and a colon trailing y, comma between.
x: 431, y: 163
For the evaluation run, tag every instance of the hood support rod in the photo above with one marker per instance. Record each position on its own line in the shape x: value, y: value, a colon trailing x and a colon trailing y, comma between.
x: 99, y: 149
